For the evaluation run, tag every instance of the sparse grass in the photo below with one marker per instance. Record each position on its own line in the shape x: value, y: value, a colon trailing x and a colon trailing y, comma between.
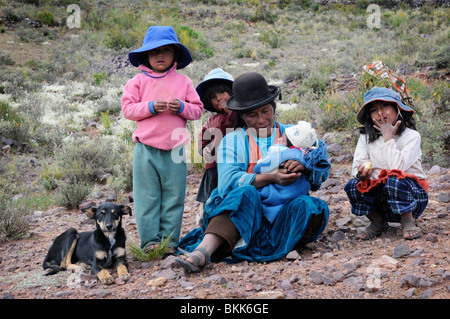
x: 148, y: 255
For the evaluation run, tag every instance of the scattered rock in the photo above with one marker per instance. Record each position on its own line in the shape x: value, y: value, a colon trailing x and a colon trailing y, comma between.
x: 158, y: 282
x: 401, y: 251
x: 444, y: 197
x: 293, y: 255
x: 270, y: 295
x: 100, y: 293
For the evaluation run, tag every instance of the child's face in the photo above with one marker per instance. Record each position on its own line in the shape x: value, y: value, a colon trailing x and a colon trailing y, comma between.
x: 381, y: 110
x: 161, y: 58
x: 283, y: 140
x: 219, y: 101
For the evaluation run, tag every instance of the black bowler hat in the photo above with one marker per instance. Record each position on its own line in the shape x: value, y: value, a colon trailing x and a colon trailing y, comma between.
x: 250, y: 91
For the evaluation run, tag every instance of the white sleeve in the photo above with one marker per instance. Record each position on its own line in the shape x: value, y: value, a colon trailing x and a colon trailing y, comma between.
x: 404, y: 152
x: 361, y: 154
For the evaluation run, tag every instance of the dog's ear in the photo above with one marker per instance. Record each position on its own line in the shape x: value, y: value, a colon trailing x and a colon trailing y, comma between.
x: 126, y: 209
x: 90, y: 212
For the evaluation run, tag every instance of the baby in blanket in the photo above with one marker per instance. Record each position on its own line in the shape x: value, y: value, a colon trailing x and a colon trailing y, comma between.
x: 299, y: 142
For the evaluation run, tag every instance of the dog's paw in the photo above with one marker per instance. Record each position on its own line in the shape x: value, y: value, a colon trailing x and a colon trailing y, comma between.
x: 105, y: 277
x: 107, y: 281
x: 122, y: 270
x: 125, y: 277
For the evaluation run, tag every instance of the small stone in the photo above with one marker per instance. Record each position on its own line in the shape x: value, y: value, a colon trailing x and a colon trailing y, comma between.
x: 444, y: 197
x: 168, y: 262
x: 286, y: 285
x: 432, y: 238
x: 338, y: 235
x: 217, y: 279
x: 64, y: 294
x: 410, y: 292
x: 434, y: 170
x: 275, y: 294
x: 427, y: 294
x: 411, y: 280
x: 100, y: 293
x: 158, y: 282
x: 401, y: 251
x: 316, y: 277
x: 293, y: 255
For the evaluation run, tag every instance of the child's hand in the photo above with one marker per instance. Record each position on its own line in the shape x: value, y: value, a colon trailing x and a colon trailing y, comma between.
x: 293, y: 166
x: 364, y: 171
x: 174, y: 106
x: 159, y: 106
x: 386, y: 129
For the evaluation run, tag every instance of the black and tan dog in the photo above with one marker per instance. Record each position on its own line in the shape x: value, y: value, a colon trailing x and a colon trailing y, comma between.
x: 101, y: 248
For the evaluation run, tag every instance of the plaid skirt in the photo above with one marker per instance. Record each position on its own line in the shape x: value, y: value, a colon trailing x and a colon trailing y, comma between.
x: 397, y: 196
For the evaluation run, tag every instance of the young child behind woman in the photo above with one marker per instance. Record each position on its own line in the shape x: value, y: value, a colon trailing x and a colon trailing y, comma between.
x: 389, y: 184
x: 214, y: 92
x: 160, y: 100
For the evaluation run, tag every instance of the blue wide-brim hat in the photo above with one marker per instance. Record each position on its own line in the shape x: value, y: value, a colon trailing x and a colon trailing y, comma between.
x: 215, y: 76
x: 158, y: 36
x: 381, y: 94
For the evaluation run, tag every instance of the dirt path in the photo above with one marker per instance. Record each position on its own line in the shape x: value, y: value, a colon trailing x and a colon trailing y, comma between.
x: 336, y: 266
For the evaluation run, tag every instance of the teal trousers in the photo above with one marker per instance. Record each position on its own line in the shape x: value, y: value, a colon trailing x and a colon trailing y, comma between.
x: 159, y: 186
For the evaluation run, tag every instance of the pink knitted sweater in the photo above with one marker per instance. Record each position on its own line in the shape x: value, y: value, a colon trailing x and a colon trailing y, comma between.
x: 160, y: 130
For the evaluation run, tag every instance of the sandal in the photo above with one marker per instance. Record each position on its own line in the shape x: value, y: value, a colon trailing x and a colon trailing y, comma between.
x: 195, y: 265
x: 409, y: 228
x: 372, y: 230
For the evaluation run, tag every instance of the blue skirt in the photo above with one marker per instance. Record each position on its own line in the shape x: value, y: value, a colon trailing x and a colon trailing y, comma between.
x: 261, y: 241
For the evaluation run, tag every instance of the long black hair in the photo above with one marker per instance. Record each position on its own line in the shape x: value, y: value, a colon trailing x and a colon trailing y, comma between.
x: 217, y: 87
x: 406, y: 118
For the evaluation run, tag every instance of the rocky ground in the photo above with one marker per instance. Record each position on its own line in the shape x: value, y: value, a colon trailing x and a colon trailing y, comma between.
x: 336, y: 266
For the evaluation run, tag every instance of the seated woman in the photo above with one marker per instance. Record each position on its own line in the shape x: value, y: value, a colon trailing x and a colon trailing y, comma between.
x: 234, y: 228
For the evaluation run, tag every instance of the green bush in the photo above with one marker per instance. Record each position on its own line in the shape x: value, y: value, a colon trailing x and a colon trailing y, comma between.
x: 118, y: 38
x: 15, y: 218
x: 194, y: 41
x: 83, y: 162
x: 71, y: 195
x: 46, y: 18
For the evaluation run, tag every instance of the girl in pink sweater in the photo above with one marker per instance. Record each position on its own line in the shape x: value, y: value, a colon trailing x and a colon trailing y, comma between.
x: 160, y: 100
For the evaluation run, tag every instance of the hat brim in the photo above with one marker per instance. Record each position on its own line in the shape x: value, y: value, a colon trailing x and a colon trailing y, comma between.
x: 201, y: 89
x: 360, y: 114
x: 183, y: 60
x: 233, y: 105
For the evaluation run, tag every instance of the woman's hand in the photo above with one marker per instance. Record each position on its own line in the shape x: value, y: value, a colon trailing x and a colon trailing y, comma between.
x: 282, y: 176
x: 285, y: 177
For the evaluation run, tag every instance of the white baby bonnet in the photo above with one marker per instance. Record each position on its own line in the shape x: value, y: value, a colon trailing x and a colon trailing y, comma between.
x: 302, y: 135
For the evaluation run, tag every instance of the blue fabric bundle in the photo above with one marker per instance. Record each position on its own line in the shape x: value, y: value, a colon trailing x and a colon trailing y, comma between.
x: 274, y: 196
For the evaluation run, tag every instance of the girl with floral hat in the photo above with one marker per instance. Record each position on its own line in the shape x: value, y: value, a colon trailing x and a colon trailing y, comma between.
x: 160, y: 100
x: 389, y: 183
